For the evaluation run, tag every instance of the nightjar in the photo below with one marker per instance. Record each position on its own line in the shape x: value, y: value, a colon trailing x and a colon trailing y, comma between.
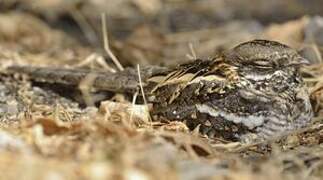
x: 253, y: 91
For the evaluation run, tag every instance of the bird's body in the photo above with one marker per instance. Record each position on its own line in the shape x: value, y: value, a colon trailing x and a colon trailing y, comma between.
x: 253, y: 89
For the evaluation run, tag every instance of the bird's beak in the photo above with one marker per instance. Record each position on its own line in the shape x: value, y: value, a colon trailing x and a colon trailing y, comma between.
x: 299, y: 61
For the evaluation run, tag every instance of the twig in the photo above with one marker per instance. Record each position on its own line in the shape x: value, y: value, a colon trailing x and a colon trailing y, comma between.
x: 106, y: 44
x: 317, y: 52
x: 143, y: 94
x: 193, y: 53
x: 134, y: 98
x: 98, y: 59
x: 140, y: 84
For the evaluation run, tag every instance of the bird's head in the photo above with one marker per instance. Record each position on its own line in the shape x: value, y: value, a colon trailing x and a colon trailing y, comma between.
x: 264, y: 57
x: 264, y: 54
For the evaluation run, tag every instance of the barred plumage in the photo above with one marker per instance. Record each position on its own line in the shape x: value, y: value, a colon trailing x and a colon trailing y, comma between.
x: 254, y: 88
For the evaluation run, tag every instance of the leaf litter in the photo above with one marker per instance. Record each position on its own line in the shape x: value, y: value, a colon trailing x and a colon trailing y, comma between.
x: 45, y: 134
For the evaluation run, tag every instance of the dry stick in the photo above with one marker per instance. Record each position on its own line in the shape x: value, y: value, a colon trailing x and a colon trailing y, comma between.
x: 317, y: 52
x: 94, y: 57
x: 193, y: 53
x: 106, y: 43
x: 140, y: 84
x: 134, y: 98
x: 101, y: 61
x: 143, y: 92
x: 315, y: 47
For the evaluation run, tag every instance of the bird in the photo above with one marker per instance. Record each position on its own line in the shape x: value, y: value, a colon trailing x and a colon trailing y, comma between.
x: 251, y: 92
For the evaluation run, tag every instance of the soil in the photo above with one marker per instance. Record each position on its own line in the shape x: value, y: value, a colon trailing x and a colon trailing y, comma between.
x: 47, y: 134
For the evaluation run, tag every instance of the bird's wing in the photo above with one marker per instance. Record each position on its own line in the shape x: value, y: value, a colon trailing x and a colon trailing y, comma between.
x: 195, y: 80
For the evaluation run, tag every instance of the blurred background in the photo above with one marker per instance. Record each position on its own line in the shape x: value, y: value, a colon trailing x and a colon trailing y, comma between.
x: 160, y: 32
x: 45, y: 134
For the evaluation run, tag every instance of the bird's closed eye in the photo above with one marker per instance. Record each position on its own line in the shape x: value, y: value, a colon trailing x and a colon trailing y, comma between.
x: 260, y: 63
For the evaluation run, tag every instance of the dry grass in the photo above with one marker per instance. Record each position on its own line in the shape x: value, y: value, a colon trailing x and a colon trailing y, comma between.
x: 46, y: 136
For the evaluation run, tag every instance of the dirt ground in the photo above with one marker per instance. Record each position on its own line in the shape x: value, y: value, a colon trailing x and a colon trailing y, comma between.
x: 45, y: 134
